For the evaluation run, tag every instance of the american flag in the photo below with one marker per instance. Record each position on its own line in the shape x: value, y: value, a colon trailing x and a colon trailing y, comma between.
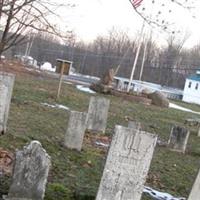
x: 136, y: 3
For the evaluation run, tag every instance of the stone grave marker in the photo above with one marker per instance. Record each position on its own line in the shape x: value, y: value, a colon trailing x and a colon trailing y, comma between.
x: 3, y: 103
x: 127, y: 165
x: 192, y: 122
x: 30, y: 173
x: 134, y: 125
x: 97, y: 114
x: 6, y: 88
x: 195, y: 193
x: 178, y: 139
x: 75, y: 130
x: 198, y: 134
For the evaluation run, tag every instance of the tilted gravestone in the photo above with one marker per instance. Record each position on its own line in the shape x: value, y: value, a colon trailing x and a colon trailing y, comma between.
x: 30, y: 173
x: 127, y: 165
x: 195, y: 193
x: 75, y: 130
x: 97, y: 114
x: 178, y: 139
x: 134, y: 125
x: 6, y: 88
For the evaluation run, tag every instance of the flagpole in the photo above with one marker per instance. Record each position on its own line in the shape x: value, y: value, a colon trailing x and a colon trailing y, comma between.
x: 136, y: 57
x: 144, y: 58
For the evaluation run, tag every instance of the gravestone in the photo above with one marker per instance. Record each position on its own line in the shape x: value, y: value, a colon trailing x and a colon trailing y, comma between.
x: 3, y: 104
x: 97, y: 114
x: 127, y: 165
x: 134, y: 125
x: 192, y: 122
x: 198, y: 134
x: 178, y: 139
x: 195, y: 193
x: 75, y: 130
x: 30, y: 173
x: 6, y: 88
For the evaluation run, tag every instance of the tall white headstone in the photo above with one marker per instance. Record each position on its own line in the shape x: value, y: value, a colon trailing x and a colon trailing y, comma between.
x: 30, y: 173
x: 195, y: 193
x: 127, y: 165
x: 75, y: 130
x: 3, y: 103
x: 6, y: 88
x: 97, y: 114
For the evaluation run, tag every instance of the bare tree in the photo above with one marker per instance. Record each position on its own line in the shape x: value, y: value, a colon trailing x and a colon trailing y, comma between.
x: 111, y: 51
x: 18, y: 17
x: 169, y: 60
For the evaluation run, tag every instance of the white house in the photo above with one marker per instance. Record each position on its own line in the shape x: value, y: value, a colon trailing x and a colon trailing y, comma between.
x: 191, y: 92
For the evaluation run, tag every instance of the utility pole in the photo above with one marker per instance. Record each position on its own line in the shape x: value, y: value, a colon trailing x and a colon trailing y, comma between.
x: 136, y: 57
x: 148, y: 38
x: 29, y: 45
x: 83, y: 61
x: 143, y: 59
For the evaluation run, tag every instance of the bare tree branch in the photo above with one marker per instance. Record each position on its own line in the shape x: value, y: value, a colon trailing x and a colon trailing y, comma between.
x: 18, y: 17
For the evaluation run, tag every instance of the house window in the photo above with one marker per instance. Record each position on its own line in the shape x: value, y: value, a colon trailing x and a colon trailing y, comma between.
x: 190, y: 84
x: 197, y: 86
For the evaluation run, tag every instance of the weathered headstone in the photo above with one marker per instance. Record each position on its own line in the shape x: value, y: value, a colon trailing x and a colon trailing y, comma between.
x: 97, y: 114
x: 178, y: 139
x: 6, y: 88
x: 127, y: 165
x: 3, y: 103
x: 192, y: 122
x: 75, y: 130
x: 195, y: 193
x: 30, y: 173
x: 134, y: 125
x: 198, y: 134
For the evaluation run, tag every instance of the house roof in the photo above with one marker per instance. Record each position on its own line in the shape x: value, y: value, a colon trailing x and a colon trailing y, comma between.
x: 194, y: 77
x: 65, y: 61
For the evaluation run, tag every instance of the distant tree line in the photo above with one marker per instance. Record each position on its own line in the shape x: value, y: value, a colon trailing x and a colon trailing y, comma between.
x: 168, y: 65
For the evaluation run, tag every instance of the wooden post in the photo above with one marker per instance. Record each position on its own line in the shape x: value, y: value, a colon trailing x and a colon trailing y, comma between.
x: 60, y: 82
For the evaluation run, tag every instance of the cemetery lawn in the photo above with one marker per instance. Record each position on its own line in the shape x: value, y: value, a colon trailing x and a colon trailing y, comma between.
x: 77, y: 175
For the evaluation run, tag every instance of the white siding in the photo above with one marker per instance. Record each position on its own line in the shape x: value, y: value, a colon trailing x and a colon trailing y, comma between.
x: 191, y: 94
x: 138, y: 86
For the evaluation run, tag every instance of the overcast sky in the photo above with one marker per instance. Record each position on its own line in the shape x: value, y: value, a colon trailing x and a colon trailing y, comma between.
x: 91, y: 18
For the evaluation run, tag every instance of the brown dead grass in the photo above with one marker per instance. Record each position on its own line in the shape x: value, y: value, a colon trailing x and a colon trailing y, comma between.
x: 6, y: 162
x: 18, y: 68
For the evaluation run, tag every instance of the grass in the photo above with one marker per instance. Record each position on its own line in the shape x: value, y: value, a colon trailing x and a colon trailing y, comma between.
x: 71, y: 177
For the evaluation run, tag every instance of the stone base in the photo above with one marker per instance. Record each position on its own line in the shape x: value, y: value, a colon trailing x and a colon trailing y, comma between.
x: 176, y: 150
x: 131, y: 97
x: 13, y: 198
x: 100, y: 88
x: 192, y: 122
x: 159, y: 99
